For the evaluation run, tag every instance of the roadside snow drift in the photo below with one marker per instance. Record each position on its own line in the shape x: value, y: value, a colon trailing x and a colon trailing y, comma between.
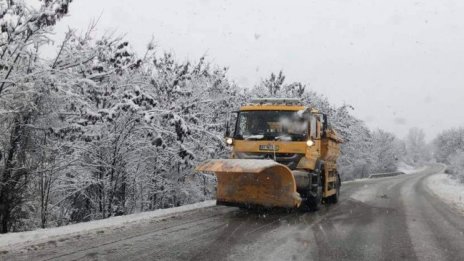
x: 448, y: 190
x: 408, y: 169
x: 41, y: 234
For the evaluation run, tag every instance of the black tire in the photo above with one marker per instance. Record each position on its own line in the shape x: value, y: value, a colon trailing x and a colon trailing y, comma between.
x: 335, y: 197
x: 314, y: 199
x: 243, y: 207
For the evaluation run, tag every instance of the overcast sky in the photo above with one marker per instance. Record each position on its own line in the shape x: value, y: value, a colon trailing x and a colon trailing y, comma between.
x: 400, y: 63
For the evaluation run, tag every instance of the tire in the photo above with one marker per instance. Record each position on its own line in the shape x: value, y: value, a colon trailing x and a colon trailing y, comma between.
x: 335, y: 197
x: 314, y: 199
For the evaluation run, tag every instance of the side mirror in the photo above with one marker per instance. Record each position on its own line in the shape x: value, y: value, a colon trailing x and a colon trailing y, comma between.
x: 325, y: 124
x: 227, y: 134
x: 230, y: 119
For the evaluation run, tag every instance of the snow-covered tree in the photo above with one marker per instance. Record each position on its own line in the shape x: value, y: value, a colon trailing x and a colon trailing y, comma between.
x: 448, y: 149
x: 23, y: 92
x: 416, y: 147
x: 274, y: 83
x: 135, y: 127
x: 456, y: 165
x: 384, y: 151
x: 448, y: 143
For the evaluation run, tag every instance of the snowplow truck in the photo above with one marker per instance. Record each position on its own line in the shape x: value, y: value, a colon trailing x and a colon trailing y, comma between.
x: 283, y: 155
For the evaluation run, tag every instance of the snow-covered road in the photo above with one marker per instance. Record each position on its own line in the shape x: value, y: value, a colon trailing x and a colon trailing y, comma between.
x: 396, y: 218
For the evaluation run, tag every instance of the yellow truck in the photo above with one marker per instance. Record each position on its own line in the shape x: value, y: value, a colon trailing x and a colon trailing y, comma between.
x: 283, y: 154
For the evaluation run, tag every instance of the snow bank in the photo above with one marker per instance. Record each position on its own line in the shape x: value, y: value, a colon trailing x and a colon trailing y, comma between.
x: 41, y: 234
x: 232, y: 165
x: 448, y: 190
x: 408, y: 169
x: 354, y: 181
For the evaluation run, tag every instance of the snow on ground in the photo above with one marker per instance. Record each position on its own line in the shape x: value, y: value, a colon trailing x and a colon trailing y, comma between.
x: 367, y: 193
x: 408, y: 169
x: 448, y: 190
x: 355, y: 180
x: 371, y: 191
x: 41, y: 234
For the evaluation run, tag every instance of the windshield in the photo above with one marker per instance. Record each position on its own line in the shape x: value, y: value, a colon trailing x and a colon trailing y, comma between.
x: 271, y: 125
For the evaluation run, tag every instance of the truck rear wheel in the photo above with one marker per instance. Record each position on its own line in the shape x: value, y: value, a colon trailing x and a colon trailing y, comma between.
x: 335, y: 197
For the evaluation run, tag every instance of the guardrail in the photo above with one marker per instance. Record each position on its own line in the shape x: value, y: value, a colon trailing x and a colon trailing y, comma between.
x: 383, y: 175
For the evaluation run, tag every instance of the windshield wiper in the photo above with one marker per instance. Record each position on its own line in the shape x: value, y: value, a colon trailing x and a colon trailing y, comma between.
x: 269, y: 136
x: 253, y: 137
x: 285, y: 137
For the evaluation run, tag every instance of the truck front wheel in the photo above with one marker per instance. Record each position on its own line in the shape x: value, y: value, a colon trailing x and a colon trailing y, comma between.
x: 314, y: 199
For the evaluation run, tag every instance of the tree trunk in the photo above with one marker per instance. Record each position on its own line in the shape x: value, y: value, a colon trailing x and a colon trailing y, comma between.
x: 7, y: 186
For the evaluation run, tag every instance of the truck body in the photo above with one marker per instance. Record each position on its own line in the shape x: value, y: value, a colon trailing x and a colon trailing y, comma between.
x: 283, y: 154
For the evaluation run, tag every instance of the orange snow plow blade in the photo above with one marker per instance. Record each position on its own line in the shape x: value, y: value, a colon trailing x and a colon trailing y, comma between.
x: 253, y: 182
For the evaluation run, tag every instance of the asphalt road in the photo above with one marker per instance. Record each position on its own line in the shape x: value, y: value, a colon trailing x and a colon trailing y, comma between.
x: 393, y: 218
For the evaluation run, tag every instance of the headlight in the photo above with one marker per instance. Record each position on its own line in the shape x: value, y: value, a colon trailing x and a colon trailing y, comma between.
x: 229, y: 141
x: 310, y: 143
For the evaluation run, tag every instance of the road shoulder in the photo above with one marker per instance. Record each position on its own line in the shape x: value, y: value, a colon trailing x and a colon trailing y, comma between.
x: 448, y: 190
x: 21, y: 239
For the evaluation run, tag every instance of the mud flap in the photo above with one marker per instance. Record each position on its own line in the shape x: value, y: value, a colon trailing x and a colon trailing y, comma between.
x: 254, y: 182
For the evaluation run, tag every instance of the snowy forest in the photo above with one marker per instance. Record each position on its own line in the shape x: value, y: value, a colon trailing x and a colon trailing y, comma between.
x: 100, y: 131
x: 449, y: 149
